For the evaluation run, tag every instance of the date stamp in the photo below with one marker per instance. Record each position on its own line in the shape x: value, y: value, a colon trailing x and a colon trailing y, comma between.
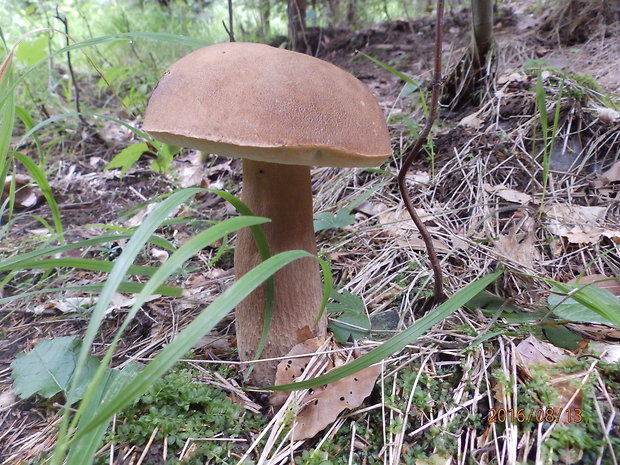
x: 538, y: 415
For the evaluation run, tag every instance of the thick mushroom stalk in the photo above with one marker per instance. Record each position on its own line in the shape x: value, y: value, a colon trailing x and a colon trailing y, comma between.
x: 282, y: 193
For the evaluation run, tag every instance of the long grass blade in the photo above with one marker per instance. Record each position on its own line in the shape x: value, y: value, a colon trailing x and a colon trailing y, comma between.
x: 399, y: 341
x: 208, y: 318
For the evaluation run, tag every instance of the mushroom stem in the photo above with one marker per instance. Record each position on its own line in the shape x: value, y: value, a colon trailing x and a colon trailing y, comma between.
x: 282, y: 193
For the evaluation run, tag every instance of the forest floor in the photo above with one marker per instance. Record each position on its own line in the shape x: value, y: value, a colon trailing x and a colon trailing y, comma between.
x: 492, y: 197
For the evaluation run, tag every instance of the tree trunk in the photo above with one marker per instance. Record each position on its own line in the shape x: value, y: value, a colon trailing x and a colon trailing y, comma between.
x: 264, y: 11
x: 482, y: 28
x: 471, y: 78
x: 296, y: 11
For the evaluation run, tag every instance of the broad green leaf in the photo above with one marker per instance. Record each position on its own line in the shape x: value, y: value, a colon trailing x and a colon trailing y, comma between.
x: 32, y: 51
x: 587, y: 304
x: 127, y: 157
x: 49, y: 367
x: 327, y: 220
x: 345, y: 302
x: 165, y: 154
x: 347, y: 326
x: 84, y: 449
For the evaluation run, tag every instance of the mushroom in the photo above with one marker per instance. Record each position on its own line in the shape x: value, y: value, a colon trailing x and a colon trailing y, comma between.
x: 281, y: 112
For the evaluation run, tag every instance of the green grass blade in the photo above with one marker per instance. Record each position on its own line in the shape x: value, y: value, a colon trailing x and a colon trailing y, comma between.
x: 39, y: 176
x: 9, y: 263
x: 203, y: 323
x: 127, y: 286
x: 399, y: 341
x: 269, y: 288
x: 82, y: 264
x: 90, y: 403
x: 132, y: 249
x: 7, y: 113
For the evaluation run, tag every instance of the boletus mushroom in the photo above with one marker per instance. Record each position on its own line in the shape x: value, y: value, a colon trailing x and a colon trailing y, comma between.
x: 281, y: 112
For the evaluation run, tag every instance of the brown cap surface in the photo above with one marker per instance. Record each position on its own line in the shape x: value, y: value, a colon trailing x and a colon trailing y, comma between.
x: 268, y: 104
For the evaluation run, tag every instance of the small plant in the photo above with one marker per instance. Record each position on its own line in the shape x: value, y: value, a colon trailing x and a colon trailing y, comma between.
x: 182, y: 409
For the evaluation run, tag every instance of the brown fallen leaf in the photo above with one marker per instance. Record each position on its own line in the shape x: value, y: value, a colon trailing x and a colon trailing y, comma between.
x: 322, y: 406
x: 600, y: 280
x: 533, y: 352
x: 290, y: 369
x: 579, y: 224
x: 510, y: 195
x: 609, y: 176
x: 27, y: 193
x: 398, y: 224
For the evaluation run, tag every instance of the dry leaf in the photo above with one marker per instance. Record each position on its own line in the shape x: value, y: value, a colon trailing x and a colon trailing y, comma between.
x: 418, y: 177
x: 609, y: 176
x: 290, y: 369
x: 508, y: 194
x: 159, y: 254
x: 600, y: 280
x: 607, y: 115
x: 611, y: 352
x: 580, y: 225
x: 531, y: 352
x: 27, y: 194
x: 322, y: 406
x: 472, y: 121
x: 369, y: 208
x: 190, y: 169
x: 519, y: 251
x: 399, y: 224
x: 535, y: 352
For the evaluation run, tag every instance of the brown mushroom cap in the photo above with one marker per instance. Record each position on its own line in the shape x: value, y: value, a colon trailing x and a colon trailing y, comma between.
x: 268, y: 104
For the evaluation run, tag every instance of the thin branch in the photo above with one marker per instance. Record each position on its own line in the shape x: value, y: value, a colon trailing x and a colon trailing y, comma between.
x: 76, y: 89
x: 437, y: 82
x: 230, y: 30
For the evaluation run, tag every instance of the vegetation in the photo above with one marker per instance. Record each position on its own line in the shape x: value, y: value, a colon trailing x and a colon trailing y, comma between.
x: 116, y: 249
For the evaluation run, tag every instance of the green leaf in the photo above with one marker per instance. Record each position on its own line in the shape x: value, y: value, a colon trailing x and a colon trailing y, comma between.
x: 31, y: 51
x: 40, y: 178
x: 347, y: 327
x: 165, y: 154
x: 327, y: 220
x: 587, y: 304
x: 345, y: 302
x: 127, y: 157
x: 49, y: 367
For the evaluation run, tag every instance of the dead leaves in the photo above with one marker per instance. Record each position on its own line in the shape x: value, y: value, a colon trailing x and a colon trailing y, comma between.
x: 579, y: 224
x: 568, y: 386
x: 398, y: 224
x: 27, y: 194
x: 320, y: 407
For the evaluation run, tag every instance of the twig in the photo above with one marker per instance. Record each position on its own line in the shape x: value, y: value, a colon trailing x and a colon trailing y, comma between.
x: 437, y: 82
x: 230, y: 30
x: 76, y: 89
